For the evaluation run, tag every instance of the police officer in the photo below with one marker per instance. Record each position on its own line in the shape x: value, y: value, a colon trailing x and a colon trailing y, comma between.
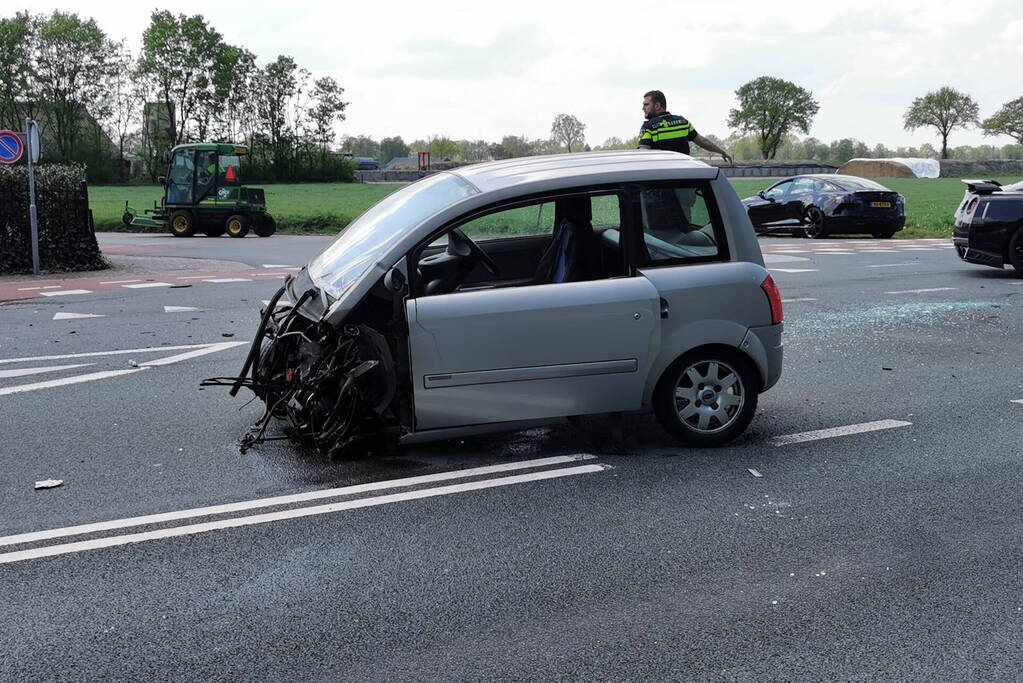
x: 664, y: 130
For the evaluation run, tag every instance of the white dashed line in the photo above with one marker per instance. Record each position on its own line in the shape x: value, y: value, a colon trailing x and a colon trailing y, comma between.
x: 119, y: 282
x: 793, y: 301
x: 179, y: 309
x: 277, y: 265
x: 833, y: 432
x: 892, y: 265
x: 921, y: 291
x: 228, y: 279
x: 75, y: 316
x: 66, y: 292
x: 834, y: 252
x: 145, y: 285
x: 194, y: 277
x: 31, y: 289
x: 794, y: 270
x: 1017, y: 400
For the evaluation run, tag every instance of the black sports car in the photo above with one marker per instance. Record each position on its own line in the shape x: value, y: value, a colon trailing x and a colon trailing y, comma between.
x: 824, y: 204
x: 989, y: 224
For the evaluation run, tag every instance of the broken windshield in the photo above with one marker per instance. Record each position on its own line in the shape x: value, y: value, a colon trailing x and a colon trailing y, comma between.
x: 372, y: 234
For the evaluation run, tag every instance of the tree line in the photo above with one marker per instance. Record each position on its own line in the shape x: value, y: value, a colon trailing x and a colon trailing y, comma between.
x: 97, y: 102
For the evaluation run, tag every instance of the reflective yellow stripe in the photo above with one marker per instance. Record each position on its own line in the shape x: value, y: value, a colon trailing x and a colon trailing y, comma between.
x: 674, y: 135
x: 646, y: 135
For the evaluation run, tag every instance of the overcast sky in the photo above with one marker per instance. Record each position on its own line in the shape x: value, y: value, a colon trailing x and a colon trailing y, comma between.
x: 484, y: 70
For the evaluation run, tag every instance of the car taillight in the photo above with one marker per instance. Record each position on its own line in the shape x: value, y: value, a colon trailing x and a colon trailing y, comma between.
x: 972, y: 205
x: 774, y: 298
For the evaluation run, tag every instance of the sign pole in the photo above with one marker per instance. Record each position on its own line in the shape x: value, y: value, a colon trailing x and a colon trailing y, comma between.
x: 32, y: 218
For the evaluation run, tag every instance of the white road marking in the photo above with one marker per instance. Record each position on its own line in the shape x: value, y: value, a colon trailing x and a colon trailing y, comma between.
x: 38, y: 371
x: 94, y: 354
x: 280, y: 302
x: 277, y: 265
x: 229, y: 279
x: 78, y: 379
x: 831, y: 433
x: 794, y: 270
x: 835, y: 252
x: 1018, y: 400
x: 65, y: 292
x: 919, y: 249
x: 879, y: 251
x: 919, y: 291
x: 211, y: 348
x: 193, y: 277
x: 295, y: 513
x: 118, y: 282
x: 793, y: 301
x: 30, y: 289
x: 179, y: 309
x: 144, y: 285
x: 307, y: 496
x: 75, y: 316
x: 892, y: 265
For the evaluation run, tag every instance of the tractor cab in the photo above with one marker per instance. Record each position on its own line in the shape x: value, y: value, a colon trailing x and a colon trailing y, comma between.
x: 203, y: 192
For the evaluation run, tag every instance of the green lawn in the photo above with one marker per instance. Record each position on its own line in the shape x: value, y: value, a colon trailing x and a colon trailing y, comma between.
x: 327, y: 207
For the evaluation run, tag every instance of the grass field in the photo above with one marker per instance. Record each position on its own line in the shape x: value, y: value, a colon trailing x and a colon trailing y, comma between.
x: 327, y: 207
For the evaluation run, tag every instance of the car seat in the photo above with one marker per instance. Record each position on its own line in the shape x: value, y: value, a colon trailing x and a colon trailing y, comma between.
x: 571, y: 253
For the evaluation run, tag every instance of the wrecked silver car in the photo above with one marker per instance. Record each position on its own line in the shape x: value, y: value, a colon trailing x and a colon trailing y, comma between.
x: 511, y: 293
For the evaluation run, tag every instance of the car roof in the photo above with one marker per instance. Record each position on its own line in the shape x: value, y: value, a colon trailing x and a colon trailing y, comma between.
x: 583, y: 166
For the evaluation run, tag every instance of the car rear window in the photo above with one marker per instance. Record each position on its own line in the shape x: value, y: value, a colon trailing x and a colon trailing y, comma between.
x: 680, y: 225
x: 859, y: 184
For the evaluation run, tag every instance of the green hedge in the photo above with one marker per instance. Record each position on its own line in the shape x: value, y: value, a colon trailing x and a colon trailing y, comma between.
x: 67, y: 239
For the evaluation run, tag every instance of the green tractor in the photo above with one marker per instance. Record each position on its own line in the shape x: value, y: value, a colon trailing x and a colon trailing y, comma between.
x: 203, y: 192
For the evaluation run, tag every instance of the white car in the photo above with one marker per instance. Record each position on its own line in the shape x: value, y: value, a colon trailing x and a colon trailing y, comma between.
x: 511, y: 293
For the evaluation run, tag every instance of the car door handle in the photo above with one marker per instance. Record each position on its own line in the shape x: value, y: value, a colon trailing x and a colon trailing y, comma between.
x: 664, y: 308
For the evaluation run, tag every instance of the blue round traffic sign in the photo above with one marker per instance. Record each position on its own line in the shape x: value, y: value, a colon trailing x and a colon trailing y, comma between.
x: 11, y: 147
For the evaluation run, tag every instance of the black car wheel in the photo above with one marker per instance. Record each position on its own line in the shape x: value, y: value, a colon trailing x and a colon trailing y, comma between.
x: 1016, y: 251
x: 265, y: 225
x: 237, y: 225
x: 814, y: 219
x: 181, y: 224
x: 707, y: 397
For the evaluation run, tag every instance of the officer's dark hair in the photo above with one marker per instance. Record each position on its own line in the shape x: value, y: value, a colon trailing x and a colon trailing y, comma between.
x: 656, y: 96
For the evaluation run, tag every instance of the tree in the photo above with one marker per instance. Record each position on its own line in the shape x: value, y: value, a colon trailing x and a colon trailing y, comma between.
x: 179, y: 56
x: 473, y: 150
x: 326, y: 110
x: 567, y: 130
x: 392, y: 148
x: 361, y: 146
x: 19, y: 82
x: 770, y: 108
x: 1006, y: 121
x: 944, y: 109
x: 442, y: 147
x: 276, y: 92
x: 512, y: 147
x: 123, y: 109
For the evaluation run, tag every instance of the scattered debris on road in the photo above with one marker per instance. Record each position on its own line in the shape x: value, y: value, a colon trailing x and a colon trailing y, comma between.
x: 48, y: 484
x: 755, y: 473
x: 133, y: 363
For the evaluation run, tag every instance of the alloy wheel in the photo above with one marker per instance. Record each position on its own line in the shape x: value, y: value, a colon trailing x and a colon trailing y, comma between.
x: 709, y: 395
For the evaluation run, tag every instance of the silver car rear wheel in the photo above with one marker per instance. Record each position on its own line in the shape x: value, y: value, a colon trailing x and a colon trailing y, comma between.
x: 707, y: 399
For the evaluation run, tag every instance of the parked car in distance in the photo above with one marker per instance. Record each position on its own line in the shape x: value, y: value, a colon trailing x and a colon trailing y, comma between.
x: 511, y: 293
x: 989, y: 224
x: 366, y: 164
x: 819, y: 205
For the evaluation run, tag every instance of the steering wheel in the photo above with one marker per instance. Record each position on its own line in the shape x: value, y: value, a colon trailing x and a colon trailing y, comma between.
x: 461, y: 244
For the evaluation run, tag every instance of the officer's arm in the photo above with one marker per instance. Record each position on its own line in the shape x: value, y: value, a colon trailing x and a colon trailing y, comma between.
x: 646, y: 138
x: 711, y: 147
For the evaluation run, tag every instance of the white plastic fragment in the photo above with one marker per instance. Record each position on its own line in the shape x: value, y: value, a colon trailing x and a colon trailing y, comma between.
x: 48, y: 484
x: 133, y: 363
x: 755, y: 473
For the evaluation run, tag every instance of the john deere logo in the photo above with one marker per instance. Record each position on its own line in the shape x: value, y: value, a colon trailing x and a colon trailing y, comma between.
x: 223, y: 193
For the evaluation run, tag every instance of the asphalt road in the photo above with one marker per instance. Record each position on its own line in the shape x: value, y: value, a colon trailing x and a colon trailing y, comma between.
x: 886, y: 554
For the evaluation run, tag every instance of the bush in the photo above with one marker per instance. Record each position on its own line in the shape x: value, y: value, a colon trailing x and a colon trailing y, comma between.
x: 67, y: 239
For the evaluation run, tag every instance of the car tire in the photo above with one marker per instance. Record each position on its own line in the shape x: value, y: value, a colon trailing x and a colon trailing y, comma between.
x: 265, y: 226
x: 1014, y: 254
x: 883, y: 234
x: 237, y: 225
x: 181, y: 224
x: 686, y: 396
x: 214, y: 230
x: 127, y: 218
x: 815, y: 223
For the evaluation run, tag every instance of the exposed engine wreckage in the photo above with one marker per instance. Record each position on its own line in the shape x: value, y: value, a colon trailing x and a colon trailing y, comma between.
x: 334, y: 387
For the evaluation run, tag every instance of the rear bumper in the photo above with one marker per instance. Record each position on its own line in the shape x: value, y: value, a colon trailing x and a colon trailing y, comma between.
x: 983, y: 257
x: 865, y: 223
x: 764, y: 345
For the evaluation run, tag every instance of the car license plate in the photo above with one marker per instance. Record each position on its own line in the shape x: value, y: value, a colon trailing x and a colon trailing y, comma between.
x: 881, y: 205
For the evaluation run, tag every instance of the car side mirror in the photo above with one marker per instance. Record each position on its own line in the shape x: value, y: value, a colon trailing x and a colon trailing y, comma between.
x: 161, y: 179
x: 761, y: 194
x: 394, y: 280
